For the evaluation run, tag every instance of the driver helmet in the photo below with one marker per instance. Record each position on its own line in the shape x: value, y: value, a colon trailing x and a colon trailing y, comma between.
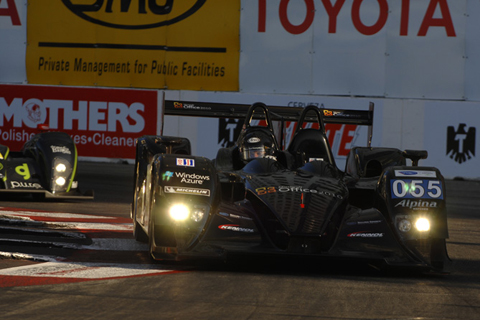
x: 257, y: 145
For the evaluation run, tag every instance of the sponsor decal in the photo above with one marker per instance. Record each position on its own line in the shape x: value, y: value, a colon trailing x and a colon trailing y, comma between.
x: 369, y: 222
x: 417, y: 204
x: 253, y: 140
x: 265, y: 190
x: 191, y: 178
x: 60, y: 149
x: 107, y: 15
x: 236, y: 228
x: 167, y: 175
x: 365, y: 234
x: 415, y: 173
x: 23, y: 171
x: 414, y: 189
x: 330, y: 113
x: 29, y: 185
x: 461, y: 143
x: 190, y: 106
x: 185, y: 162
x: 236, y: 216
x: 354, y: 223
x: 185, y: 190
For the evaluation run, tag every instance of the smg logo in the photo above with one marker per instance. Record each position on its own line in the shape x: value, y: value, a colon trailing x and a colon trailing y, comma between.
x: 141, y: 14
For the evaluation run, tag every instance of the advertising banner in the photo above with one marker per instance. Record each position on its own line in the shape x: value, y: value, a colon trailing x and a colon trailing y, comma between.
x: 380, y: 48
x: 187, y: 44
x: 13, y: 39
x: 451, y: 138
x: 102, y: 122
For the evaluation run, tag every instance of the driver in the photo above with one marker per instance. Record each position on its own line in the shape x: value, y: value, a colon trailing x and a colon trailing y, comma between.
x: 257, y: 145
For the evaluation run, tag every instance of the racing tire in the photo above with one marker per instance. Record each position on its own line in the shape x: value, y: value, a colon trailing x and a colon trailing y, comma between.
x: 161, y: 236
x: 139, y: 200
x: 151, y: 238
x: 138, y: 232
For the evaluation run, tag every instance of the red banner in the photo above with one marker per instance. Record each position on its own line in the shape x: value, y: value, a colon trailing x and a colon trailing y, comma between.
x: 102, y: 122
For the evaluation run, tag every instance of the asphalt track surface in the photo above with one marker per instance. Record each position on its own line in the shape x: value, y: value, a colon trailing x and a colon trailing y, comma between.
x: 233, y: 290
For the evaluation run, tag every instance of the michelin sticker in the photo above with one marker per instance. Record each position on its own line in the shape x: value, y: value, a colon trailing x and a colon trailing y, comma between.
x: 184, y: 190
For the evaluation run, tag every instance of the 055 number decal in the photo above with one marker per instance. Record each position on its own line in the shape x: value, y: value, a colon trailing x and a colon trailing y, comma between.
x: 429, y: 189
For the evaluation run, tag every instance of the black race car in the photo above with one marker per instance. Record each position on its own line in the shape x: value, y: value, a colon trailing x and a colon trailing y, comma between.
x: 44, y: 168
x: 254, y: 198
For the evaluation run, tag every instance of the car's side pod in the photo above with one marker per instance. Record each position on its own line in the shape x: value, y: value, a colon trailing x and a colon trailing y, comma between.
x: 147, y: 147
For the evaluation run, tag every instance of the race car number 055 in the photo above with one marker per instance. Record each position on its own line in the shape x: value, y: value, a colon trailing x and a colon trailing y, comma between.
x: 416, y: 189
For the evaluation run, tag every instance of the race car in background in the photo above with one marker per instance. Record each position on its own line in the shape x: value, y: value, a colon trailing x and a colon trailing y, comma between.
x: 44, y: 168
x: 255, y: 198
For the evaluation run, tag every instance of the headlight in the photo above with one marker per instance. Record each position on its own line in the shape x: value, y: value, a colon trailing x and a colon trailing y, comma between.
x: 60, y: 181
x: 179, y: 212
x: 198, y: 214
x: 422, y: 224
x: 61, y: 171
x: 407, y: 223
x: 404, y: 225
x: 61, y: 167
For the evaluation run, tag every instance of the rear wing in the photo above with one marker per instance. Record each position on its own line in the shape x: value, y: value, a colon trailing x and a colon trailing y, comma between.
x: 277, y: 113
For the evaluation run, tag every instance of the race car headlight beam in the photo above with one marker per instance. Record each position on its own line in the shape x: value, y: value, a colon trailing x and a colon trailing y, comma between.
x: 422, y: 224
x: 61, y: 172
x: 407, y: 223
x: 181, y: 212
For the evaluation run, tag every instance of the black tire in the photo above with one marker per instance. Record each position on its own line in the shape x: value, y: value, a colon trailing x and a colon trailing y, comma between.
x: 160, y: 235
x: 138, y: 232
x: 151, y: 223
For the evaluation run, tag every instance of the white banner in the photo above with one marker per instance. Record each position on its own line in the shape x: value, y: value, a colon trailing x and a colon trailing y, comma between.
x: 13, y: 39
x: 381, y: 48
x: 451, y: 138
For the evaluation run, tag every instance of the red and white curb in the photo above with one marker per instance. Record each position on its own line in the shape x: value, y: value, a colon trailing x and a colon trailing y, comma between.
x: 106, y: 233
x: 69, y: 272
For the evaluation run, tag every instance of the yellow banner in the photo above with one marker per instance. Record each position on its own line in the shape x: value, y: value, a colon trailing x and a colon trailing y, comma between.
x: 165, y: 44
